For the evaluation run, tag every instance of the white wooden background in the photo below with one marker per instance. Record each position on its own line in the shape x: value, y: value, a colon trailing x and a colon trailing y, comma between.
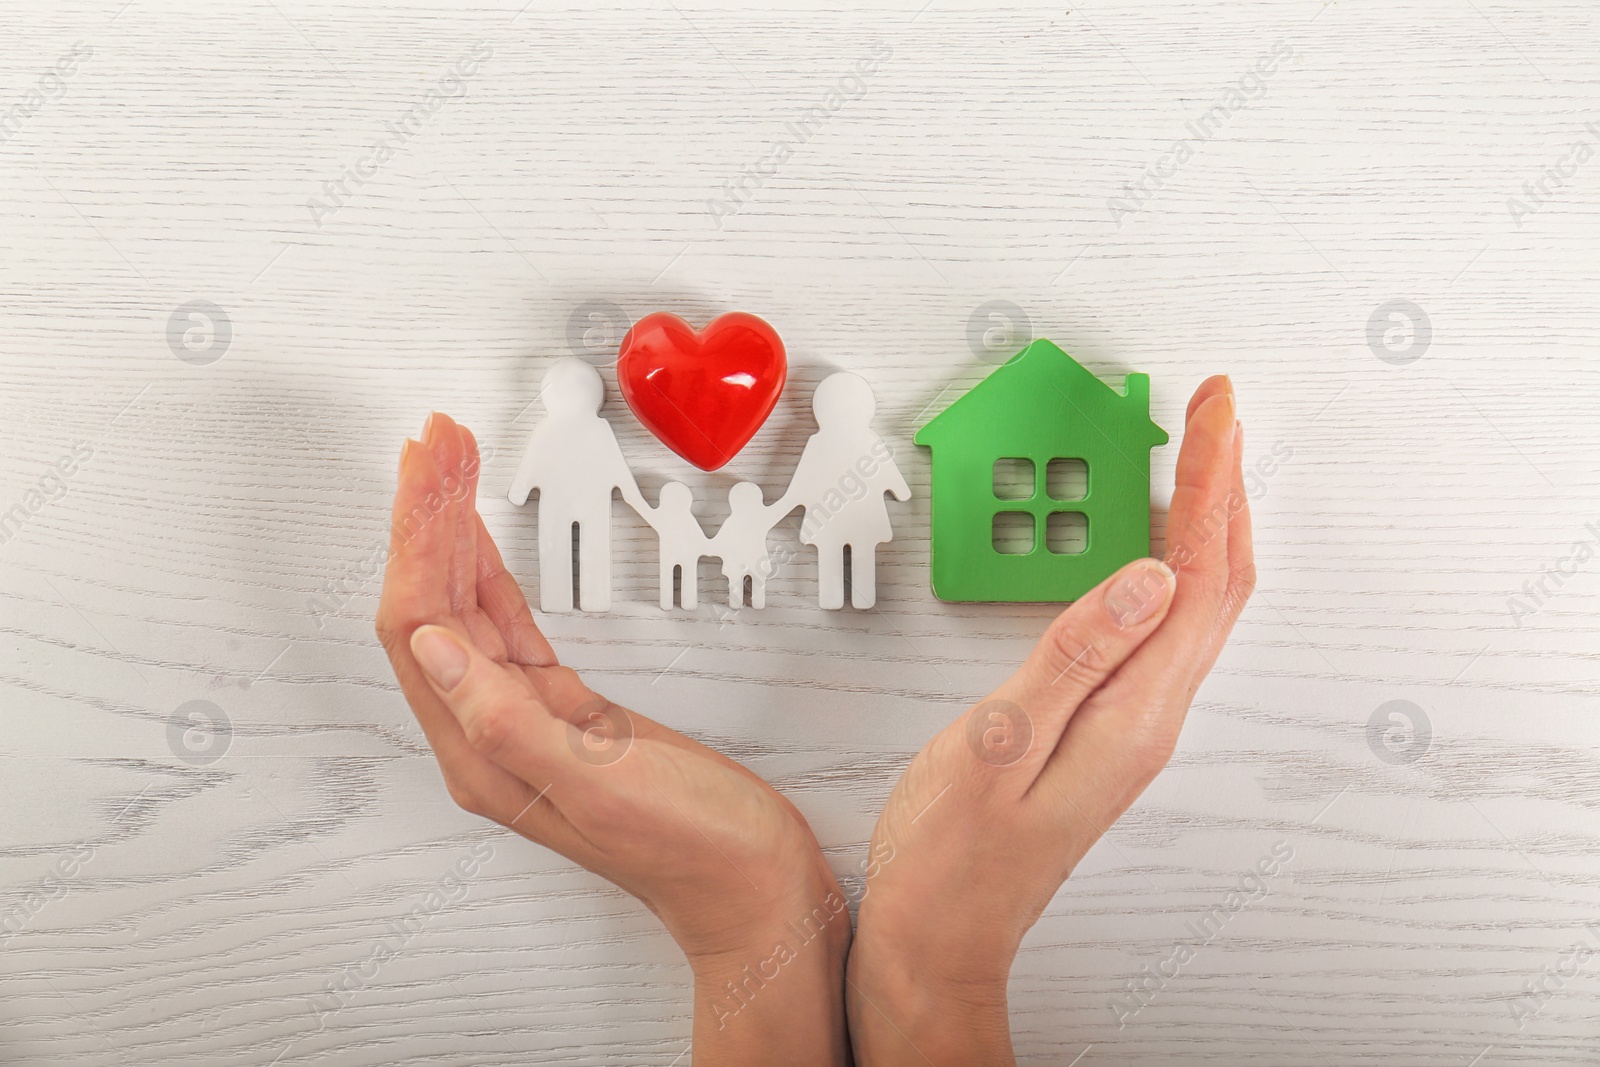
x: 173, y: 907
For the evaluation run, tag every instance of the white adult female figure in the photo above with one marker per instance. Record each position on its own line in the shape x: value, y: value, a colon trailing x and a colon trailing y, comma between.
x: 842, y: 476
x: 573, y: 460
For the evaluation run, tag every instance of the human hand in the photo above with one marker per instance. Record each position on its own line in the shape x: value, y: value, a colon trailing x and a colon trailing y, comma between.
x: 730, y: 867
x: 993, y: 814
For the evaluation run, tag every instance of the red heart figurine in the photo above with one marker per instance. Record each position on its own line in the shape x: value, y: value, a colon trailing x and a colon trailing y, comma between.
x: 703, y: 394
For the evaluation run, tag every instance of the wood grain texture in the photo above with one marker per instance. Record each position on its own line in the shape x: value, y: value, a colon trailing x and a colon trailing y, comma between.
x: 182, y: 560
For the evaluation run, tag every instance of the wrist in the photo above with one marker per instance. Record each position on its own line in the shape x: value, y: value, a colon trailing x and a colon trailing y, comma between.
x: 738, y: 925
x: 916, y: 999
x: 905, y: 936
x: 775, y: 994
x: 804, y: 939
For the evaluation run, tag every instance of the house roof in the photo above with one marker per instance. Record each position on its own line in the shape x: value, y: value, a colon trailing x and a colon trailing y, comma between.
x: 1043, y: 390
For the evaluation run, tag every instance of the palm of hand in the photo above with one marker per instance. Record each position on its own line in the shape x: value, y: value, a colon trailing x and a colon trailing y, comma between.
x: 522, y: 741
x: 993, y: 814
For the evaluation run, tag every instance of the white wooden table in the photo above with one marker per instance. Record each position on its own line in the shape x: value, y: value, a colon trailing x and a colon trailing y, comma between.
x: 190, y: 896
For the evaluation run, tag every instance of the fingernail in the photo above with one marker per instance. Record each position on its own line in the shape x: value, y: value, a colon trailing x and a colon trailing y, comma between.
x: 427, y: 428
x: 404, y: 449
x: 441, y: 655
x: 1238, y: 429
x: 1140, y: 593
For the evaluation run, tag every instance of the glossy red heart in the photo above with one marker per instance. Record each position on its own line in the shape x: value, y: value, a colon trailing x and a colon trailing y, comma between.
x: 705, y: 393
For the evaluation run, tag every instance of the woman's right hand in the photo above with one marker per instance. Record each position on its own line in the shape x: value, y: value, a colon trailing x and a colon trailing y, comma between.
x: 993, y: 814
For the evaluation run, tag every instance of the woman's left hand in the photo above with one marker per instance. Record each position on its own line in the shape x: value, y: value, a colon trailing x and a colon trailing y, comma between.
x: 729, y: 865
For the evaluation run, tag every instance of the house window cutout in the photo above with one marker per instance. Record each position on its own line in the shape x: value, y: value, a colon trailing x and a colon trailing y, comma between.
x: 1066, y: 533
x: 1013, y: 533
x: 1014, y: 479
x: 1066, y: 479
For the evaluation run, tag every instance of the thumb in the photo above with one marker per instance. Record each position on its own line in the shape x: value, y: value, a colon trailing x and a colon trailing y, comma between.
x: 499, y: 713
x: 1083, y: 647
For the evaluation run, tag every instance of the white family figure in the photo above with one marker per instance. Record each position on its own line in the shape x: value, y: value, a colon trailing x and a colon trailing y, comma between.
x: 840, y: 481
x: 741, y: 543
x: 573, y: 460
x: 681, y: 538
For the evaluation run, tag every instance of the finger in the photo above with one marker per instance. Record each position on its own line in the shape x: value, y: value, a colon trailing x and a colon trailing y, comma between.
x: 464, y: 564
x: 414, y: 593
x: 1241, y: 570
x: 414, y: 579
x: 466, y: 574
x: 1197, y: 522
x: 1125, y: 732
x: 1079, y: 651
x: 444, y: 440
x: 500, y: 714
x: 505, y: 605
x: 421, y: 543
x: 476, y: 783
x: 1215, y: 385
x: 1241, y: 545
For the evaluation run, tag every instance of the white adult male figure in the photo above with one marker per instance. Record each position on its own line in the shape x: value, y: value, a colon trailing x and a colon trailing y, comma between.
x: 841, y: 478
x: 573, y: 460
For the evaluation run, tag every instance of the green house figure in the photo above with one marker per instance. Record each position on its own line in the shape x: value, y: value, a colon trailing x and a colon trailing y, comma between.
x: 1041, y: 480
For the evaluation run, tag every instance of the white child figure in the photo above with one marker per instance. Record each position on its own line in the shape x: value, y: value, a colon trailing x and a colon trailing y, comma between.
x: 741, y: 543
x: 681, y: 539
